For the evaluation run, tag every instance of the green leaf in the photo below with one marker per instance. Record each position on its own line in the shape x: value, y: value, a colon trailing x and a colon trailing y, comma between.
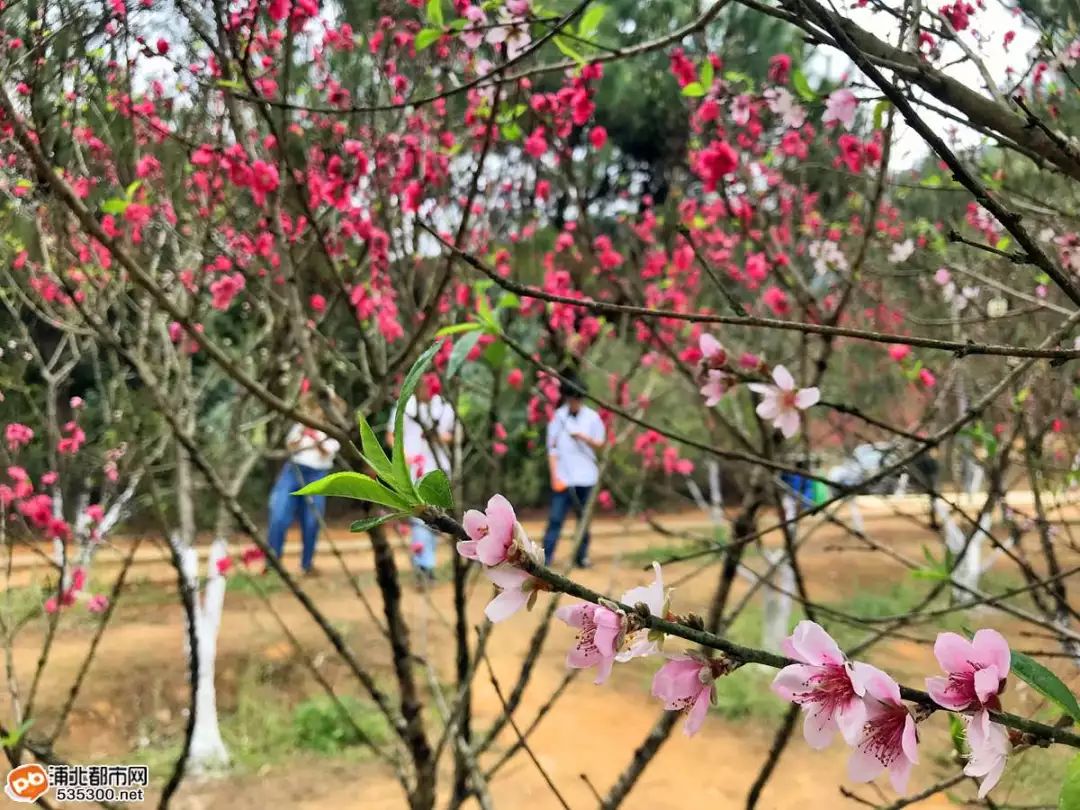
x: 693, y: 90
x: 355, y: 485
x: 458, y: 329
x: 1045, y: 683
x: 1003, y: 243
x: 708, y: 73
x: 373, y: 452
x: 426, y: 38
x: 230, y: 84
x: 402, y: 478
x: 115, y: 206
x: 508, y: 301
x: 486, y: 316
x: 434, y: 12
x: 495, y: 354
x: 590, y: 21
x: 13, y: 737
x: 879, y: 113
x: 460, y: 353
x: 1069, y: 799
x: 511, y: 131
x: 802, y: 86
x: 129, y: 192
x: 371, y: 522
x: 735, y: 77
x: 563, y: 45
x: 434, y: 489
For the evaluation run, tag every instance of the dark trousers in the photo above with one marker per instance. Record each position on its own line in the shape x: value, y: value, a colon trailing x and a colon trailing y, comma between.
x: 561, y: 503
x: 286, y: 509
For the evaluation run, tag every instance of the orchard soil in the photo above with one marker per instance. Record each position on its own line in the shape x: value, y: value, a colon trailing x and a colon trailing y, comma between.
x: 136, y: 689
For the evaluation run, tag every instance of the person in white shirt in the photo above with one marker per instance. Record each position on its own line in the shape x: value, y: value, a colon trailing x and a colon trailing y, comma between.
x: 428, y: 435
x: 312, y: 456
x: 574, y: 435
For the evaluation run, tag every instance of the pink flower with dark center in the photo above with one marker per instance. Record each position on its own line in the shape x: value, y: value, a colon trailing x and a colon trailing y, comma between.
x: 781, y: 403
x: 491, y: 532
x: 888, y: 740
x: 976, y: 669
x: 827, y: 686
x: 989, y: 744
x: 599, y: 639
x: 98, y: 603
x: 687, y: 684
x: 717, y: 384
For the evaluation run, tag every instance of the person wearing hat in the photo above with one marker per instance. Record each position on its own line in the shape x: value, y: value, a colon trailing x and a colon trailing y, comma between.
x: 574, y: 435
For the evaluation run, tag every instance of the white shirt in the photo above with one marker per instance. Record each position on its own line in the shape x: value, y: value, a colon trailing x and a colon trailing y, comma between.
x: 422, y: 419
x: 308, y: 455
x: 575, y: 461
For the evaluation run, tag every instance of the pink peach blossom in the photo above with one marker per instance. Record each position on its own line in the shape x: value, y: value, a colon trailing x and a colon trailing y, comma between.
x: 888, y: 740
x: 717, y: 384
x: 491, y: 532
x: 98, y: 603
x: 827, y: 686
x: 781, y: 403
x: 712, y: 350
x: 976, y: 669
x: 599, y: 640
x: 840, y: 107
x: 686, y: 684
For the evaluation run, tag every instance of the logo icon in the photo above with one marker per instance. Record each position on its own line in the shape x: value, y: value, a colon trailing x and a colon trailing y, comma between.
x: 27, y: 782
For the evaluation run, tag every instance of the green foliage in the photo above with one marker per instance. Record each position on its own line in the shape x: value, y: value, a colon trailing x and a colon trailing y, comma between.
x: 354, y: 485
x: 1070, y: 788
x: 319, y: 724
x: 434, y: 489
x: 745, y: 695
x: 1045, y: 682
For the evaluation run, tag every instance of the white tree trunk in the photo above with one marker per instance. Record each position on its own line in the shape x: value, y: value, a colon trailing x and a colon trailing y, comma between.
x: 778, y: 602
x: 969, y: 571
x: 902, y: 485
x: 208, y: 752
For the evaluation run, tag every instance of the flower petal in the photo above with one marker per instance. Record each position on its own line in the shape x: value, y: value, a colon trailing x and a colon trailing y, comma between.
x: 769, y: 407
x: 819, y: 727
x: 863, y: 766
x: 505, y: 605
x: 793, y: 681
x: 943, y: 696
x: 900, y: 773
x: 573, y: 615
x: 467, y: 549
x: 909, y: 741
x: 954, y: 652
x: 815, y: 645
x: 851, y: 718
x: 783, y: 379
x: 506, y: 576
x: 788, y: 423
x: 698, y: 712
x: 807, y: 397
x: 991, y: 649
x: 987, y: 684
x: 475, y: 524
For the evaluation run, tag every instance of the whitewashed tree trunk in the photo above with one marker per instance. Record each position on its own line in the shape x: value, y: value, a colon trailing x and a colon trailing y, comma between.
x: 778, y: 602
x: 856, y: 515
x: 716, y: 495
x: 208, y: 752
x: 969, y: 572
x: 902, y: 485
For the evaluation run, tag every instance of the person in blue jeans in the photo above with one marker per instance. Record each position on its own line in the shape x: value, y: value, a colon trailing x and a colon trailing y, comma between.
x: 312, y: 456
x: 428, y: 435
x: 574, y: 434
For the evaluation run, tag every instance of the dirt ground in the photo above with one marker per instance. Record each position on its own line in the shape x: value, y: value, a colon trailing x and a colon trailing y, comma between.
x: 136, y: 687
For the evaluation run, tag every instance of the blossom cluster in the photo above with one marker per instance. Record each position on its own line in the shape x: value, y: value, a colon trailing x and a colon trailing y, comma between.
x: 856, y: 699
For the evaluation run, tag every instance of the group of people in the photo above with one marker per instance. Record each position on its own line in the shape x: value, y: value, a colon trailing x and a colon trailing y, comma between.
x: 575, y: 435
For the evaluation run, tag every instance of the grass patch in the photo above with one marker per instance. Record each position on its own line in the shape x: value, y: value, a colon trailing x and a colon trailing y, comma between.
x: 745, y: 695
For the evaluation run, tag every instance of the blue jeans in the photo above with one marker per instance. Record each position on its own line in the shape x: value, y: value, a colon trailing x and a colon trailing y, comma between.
x: 286, y: 509
x: 426, y: 539
x: 561, y: 502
